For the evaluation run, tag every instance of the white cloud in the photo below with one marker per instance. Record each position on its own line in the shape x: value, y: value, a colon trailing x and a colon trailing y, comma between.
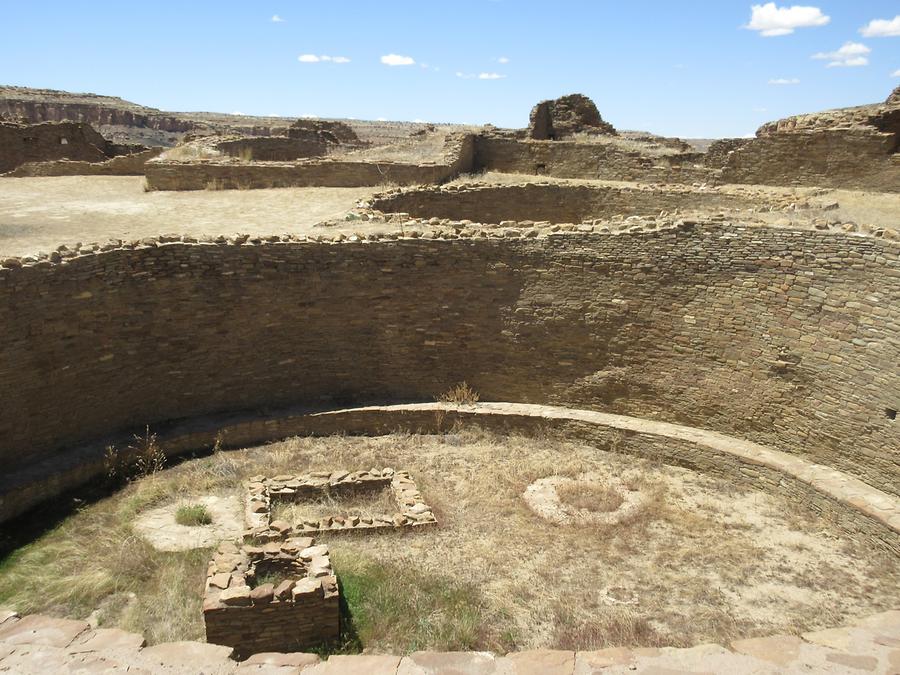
x: 771, y: 21
x: 236, y: 112
x: 784, y: 81
x: 381, y: 119
x: 277, y: 19
x: 503, y: 59
x: 307, y: 116
x: 397, y: 60
x: 882, y: 28
x: 479, y: 76
x: 850, y: 55
x: 896, y: 73
x: 313, y: 58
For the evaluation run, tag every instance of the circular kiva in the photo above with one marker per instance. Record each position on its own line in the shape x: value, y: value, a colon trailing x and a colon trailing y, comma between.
x: 543, y: 497
x: 159, y: 528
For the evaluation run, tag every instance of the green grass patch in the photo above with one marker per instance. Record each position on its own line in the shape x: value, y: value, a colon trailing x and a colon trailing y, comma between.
x: 193, y: 515
x: 403, y: 610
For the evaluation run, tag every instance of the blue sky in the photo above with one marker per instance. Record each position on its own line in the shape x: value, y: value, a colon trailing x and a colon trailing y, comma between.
x: 692, y: 69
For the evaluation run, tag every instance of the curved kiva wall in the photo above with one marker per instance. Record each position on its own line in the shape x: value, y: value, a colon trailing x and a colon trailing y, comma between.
x: 785, y: 337
x: 552, y: 202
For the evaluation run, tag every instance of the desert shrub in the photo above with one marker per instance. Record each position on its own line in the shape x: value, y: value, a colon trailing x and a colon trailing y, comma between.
x: 460, y: 394
x: 142, y: 458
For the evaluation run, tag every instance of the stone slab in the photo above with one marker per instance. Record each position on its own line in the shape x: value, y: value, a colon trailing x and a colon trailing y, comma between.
x: 538, y: 662
x: 107, y: 639
x: 448, y: 663
x: 37, y: 629
x: 362, y: 664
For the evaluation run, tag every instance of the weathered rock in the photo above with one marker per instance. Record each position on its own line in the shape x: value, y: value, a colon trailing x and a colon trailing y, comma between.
x: 564, y: 116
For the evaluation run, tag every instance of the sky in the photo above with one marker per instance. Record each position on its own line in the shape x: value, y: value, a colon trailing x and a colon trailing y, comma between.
x: 699, y: 68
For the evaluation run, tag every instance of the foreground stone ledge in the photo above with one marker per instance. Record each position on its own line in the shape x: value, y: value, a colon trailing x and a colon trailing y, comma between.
x: 869, y: 645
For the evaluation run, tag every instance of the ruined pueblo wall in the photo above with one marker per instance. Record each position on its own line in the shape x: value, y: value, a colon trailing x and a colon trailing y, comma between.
x: 784, y: 337
x: 555, y: 203
x: 42, y: 142
x: 273, y: 148
x: 570, y: 159
x: 202, y: 175
x: 123, y: 165
x: 839, y: 158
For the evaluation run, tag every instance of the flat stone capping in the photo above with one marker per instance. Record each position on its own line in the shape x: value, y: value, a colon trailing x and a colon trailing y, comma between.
x: 870, y: 645
x: 263, y: 493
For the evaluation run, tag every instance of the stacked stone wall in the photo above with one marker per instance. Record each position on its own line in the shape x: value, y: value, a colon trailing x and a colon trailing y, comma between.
x: 124, y: 165
x: 20, y: 143
x: 572, y: 159
x: 785, y: 337
x: 859, y: 158
x: 551, y: 202
x: 273, y: 148
x: 200, y: 175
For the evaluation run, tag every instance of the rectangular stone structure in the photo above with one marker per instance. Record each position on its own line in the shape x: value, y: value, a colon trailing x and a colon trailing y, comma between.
x: 279, y: 597
x: 263, y: 493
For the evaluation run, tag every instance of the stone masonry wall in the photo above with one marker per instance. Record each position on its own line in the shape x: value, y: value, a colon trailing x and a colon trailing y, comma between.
x: 569, y: 159
x: 123, y: 165
x: 555, y: 203
x: 196, y: 175
x: 859, y: 158
x: 20, y: 143
x: 785, y: 337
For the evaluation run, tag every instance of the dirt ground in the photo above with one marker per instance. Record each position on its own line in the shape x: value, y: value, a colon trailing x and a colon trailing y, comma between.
x: 699, y: 560
x: 39, y: 214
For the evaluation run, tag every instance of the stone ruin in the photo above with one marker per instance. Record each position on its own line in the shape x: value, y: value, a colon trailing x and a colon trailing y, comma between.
x: 263, y: 493
x: 327, y: 131
x: 281, y: 596
x: 566, y: 116
x: 278, y: 592
x: 22, y: 143
x: 894, y: 98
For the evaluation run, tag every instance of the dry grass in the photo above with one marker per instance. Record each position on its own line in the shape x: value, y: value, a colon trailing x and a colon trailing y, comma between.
x: 380, y: 502
x: 590, y: 497
x: 460, y: 394
x: 702, y: 562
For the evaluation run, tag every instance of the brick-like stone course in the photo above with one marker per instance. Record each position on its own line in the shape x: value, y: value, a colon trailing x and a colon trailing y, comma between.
x: 784, y: 337
x: 552, y: 202
x: 164, y: 174
x: 301, y: 611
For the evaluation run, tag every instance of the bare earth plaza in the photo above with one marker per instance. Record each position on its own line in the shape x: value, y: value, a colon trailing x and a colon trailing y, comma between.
x: 288, y: 395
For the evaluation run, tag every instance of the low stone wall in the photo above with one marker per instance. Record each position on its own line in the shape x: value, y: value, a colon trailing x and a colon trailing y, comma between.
x: 410, y: 510
x: 210, y: 174
x: 124, y: 165
x: 273, y: 148
x: 601, y: 161
x: 300, y: 612
x: 550, y: 202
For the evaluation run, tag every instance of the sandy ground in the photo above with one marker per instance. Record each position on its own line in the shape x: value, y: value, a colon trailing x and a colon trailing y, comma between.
x: 39, y: 214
